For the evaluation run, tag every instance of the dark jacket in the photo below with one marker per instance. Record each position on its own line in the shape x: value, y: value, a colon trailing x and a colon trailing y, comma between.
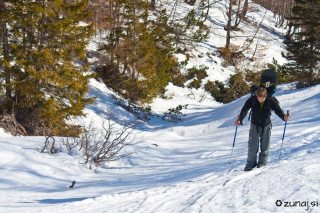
x: 263, y: 119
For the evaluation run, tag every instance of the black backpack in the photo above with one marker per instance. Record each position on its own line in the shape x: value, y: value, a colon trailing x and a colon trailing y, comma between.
x: 268, y: 80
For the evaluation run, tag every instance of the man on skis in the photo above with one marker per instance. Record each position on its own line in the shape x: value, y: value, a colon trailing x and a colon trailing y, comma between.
x: 261, y: 105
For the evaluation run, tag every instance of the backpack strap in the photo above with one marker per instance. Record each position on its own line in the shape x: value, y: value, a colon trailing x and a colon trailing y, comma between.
x: 250, y: 113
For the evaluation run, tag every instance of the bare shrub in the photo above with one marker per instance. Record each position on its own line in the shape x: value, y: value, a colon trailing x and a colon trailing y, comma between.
x: 50, y: 142
x: 99, y: 145
x: 70, y: 143
x: 281, y: 9
x: 106, y: 144
x: 50, y: 146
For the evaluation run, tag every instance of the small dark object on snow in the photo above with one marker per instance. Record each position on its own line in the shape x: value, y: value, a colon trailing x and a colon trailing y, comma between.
x: 72, y: 185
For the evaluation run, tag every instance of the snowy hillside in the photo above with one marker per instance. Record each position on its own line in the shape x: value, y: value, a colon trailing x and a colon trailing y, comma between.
x: 180, y: 167
x: 187, y: 172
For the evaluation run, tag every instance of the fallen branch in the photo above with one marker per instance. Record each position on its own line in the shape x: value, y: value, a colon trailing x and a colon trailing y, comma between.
x: 10, y: 124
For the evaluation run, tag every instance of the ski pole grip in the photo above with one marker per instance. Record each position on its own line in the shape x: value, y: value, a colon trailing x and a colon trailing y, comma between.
x: 287, y: 112
x: 238, y: 118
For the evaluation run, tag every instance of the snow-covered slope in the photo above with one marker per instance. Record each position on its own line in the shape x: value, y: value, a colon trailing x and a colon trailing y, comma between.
x: 180, y: 167
x: 187, y: 172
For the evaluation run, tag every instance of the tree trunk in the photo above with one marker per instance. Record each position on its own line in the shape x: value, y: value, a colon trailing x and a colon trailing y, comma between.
x: 291, y: 30
x: 241, y: 13
x: 134, y: 43
x: 207, y: 11
x: 228, y: 27
x: 244, y: 9
x: 153, y: 4
x: 6, y: 54
x: 238, y: 17
x: 313, y: 61
x: 96, y: 21
x: 42, y: 32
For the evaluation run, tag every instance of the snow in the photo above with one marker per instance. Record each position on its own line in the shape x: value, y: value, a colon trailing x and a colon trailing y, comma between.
x: 178, y: 167
x: 187, y: 172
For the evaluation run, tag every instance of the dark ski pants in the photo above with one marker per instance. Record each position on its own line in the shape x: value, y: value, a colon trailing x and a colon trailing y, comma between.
x: 256, y: 135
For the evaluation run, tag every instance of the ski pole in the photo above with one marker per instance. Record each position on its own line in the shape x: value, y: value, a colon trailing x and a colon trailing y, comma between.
x: 234, y: 140
x: 284, y: 131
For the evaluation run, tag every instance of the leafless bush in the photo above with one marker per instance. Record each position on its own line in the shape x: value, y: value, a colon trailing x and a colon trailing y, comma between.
x: 281, y: 9
x: 106, y: 144
x: 70, y: 143
x: 50, y: 146
x: 50, y: 142
x: 99, y: 145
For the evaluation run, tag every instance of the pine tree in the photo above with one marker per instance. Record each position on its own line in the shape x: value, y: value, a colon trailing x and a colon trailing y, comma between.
x: 304, y: 46
x: 134, y: 52
x: 46, y: 43
x: 140, y: 51
x: 191, y: 28
x: 140, y: 47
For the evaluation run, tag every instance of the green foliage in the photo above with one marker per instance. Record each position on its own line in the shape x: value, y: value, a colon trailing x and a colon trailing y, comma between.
x: 191, y: 28
x: 238, y: 87
x: 141, y: 52
x: 198, y: 73
x: 141, y: 49
x: 285, y: 75
x: 218, y: 91
x: 231, y: 55
x: 179, y: 80
x: 194, y: 27
x: 44, y: 42
x: 196, y: 83
x: 174, y: 115
x: 253, y: 77
x: 304, y: 46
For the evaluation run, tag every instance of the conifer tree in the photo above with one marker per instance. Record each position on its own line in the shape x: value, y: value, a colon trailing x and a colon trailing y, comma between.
x: 189, y: 29
x: 150, y: 58
x: 134, y: 52
x: 304, y: 46
x: 139, y: 49
x: 46, y: 43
